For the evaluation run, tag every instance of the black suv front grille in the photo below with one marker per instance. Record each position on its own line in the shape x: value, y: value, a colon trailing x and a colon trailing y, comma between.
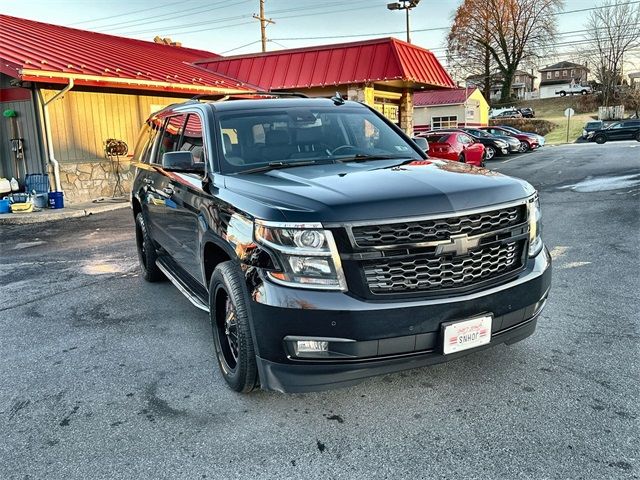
x: 441, y: 255
x: 405, y: 233
x: 427, y: 273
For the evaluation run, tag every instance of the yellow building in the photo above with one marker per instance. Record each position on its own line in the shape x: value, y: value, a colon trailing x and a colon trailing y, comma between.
x: 460, y: 107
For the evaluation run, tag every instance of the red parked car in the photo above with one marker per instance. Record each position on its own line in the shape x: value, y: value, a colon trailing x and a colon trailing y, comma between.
x: 527, y: 142
x: 455, y: 145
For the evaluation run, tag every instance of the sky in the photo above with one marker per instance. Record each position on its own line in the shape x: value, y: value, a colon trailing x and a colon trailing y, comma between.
x: 227, y: 27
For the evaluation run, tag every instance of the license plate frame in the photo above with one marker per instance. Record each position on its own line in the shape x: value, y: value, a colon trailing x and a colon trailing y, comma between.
x: 453, y: 333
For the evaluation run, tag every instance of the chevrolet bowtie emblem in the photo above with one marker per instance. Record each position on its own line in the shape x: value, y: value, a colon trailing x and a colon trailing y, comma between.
x: 458, y: 245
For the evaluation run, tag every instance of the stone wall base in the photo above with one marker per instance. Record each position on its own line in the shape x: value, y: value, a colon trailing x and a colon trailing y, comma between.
x: 82, y: 182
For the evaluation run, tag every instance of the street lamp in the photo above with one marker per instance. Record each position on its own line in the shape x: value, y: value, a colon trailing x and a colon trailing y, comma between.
x: 404, y: 5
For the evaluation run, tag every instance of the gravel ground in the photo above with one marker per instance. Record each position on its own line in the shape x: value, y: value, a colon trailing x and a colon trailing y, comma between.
x: 106, y: 376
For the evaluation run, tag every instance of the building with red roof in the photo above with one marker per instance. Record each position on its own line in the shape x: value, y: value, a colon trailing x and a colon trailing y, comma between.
x: 383, y: 73
x: 111, y: 84
x: 458, y: 107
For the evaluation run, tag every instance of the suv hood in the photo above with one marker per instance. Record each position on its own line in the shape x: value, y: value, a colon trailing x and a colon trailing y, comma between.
x: 374, y: 190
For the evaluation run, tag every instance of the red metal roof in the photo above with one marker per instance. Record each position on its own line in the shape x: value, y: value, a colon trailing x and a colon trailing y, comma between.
x: 346, y: 63
x: 442, y: 97
x: 41, y: 52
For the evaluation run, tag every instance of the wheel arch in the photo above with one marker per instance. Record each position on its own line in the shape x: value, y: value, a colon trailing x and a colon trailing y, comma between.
x: 213, y: 254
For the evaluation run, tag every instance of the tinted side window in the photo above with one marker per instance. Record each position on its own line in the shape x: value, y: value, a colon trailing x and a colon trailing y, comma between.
x: 146, y: 139
x: 170, y: 140
x: 192, y: 138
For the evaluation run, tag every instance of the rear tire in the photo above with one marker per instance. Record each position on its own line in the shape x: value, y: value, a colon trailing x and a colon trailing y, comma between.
x: 638, y: 136
x: 229, y: 314
x: 600, y: 139
x: 147, y: 254
x: 583, y: 92
x: 563, y: 94
x: 490, y: 152
x: 462, y: 159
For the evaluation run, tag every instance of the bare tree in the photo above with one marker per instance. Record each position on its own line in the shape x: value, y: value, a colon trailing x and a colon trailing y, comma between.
x: 613, y: 30
x: 506, y: 32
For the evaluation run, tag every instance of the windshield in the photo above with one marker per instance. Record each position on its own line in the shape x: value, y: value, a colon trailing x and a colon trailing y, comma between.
x: 511, y: 129
x: 594, y: 125
x: 258, y: 139
x: 478, y: 133
x: 437, y: 137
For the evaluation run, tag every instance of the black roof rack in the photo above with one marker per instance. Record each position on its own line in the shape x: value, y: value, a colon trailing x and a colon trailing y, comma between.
x: 222, y: 98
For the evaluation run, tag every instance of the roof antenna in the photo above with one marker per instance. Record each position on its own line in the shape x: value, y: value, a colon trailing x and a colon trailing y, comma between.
x: 338, y: 99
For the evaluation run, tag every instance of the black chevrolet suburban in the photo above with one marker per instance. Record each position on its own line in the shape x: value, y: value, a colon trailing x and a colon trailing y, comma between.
x: 326, y: 246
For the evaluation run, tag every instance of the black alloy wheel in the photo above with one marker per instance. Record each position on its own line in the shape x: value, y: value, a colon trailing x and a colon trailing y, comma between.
x: 228, y: 311
x: 147, y: 254
x: 600, y: 139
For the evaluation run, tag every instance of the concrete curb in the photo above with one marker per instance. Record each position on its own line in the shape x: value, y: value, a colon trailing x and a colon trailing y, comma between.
x: 63, y: 214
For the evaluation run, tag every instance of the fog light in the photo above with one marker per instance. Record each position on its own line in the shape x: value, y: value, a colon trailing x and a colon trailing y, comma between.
x: 311, y: 346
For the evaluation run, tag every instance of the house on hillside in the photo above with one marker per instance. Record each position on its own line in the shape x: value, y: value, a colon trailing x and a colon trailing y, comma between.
x: 521, y: 88
x: 561, y: 76
x: 460, y: 107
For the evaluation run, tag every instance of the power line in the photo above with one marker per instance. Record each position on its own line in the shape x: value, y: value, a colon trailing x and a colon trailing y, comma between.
x: 170, y: 4
x: 440, y: 28
x: 175, y: 31
x: 241, y: 46
x: 184, y: 25
x: 172, y: 15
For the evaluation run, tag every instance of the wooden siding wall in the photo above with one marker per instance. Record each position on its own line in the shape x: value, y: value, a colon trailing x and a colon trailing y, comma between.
x: 30, y: 131
x: 82, y: 121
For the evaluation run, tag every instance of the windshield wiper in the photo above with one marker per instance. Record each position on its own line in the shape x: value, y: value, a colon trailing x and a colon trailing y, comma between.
x: 364, y: 158
x: 279, y: 165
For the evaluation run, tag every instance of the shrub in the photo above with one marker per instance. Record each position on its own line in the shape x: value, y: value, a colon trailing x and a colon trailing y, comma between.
x: 588, y: 103
x: 535, y: 125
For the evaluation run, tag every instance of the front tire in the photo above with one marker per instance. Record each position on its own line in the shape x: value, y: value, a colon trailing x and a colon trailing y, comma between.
x: 563, y: 94
x: 462, y: 159
x: 490, y: 152
x: 638, y: 136
x: 147, y: 254
x: 524, y: 147
x: 229, y: 314
x: 600, y: 139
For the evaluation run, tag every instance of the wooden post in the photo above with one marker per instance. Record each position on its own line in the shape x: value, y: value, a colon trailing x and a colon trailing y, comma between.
x: 263, y: 25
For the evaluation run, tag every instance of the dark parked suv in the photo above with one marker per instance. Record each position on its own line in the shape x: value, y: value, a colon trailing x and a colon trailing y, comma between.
x: 326, y: 246
x: 624, y: 130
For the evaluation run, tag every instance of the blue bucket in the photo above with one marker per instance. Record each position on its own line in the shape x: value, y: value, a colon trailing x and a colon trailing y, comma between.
x: 5, y: 206
x: 56, y: 200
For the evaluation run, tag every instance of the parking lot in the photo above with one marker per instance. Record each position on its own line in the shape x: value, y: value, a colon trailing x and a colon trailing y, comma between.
x: 106, y: 376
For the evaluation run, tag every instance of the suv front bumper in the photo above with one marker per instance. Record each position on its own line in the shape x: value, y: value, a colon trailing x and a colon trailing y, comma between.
x: 383, y: 336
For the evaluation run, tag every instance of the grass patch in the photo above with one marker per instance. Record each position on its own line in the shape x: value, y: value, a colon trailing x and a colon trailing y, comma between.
x: 559, y: 134
x: 552, y: 110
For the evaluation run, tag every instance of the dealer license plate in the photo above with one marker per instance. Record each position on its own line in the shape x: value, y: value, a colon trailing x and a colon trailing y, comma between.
x: 458, y: 336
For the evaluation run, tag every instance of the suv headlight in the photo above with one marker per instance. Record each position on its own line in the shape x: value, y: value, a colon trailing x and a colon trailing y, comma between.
x: 308, y: 255
x: 535, y: 226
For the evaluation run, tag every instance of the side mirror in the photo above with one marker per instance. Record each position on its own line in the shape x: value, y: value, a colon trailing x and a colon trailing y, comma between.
x: 181, y: 161
x: 422, y: 143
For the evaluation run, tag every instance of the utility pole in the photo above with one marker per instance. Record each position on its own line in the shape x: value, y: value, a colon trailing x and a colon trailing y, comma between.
x: 263, y: 25
x: 405, y: 5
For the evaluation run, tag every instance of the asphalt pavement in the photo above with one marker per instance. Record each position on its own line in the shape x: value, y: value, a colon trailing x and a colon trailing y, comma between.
x: 106, y: 376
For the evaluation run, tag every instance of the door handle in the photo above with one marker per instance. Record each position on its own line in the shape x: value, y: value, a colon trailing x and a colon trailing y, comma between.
x: 168, y: 190
x: 147, y: 181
